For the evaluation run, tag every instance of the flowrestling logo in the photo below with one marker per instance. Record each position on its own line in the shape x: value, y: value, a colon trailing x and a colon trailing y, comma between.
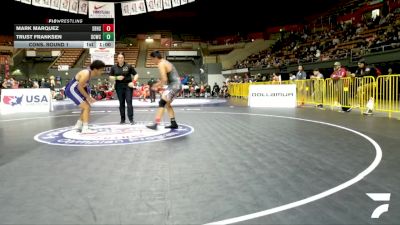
x: 111, y: 134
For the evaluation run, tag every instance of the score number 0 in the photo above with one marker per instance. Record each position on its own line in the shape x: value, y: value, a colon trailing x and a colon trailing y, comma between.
x: 108, y: 27
x: 108, y: 32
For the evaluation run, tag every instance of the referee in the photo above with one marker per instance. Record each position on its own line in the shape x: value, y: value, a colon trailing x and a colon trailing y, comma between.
x: 125, y: 77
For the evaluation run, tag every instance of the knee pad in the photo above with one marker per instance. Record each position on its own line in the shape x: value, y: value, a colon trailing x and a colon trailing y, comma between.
x: 162, y: 103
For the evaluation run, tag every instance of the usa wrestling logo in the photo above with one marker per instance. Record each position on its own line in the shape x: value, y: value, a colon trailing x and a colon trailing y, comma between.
x: 12, y: 100
x: 111, y: 134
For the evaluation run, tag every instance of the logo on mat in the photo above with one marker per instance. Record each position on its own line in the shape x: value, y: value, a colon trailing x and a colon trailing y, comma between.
x: 380, y: 197
x: 111, y: 134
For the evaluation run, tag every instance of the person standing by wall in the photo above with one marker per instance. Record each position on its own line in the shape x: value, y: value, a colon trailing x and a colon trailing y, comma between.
x: 339, y: 85
x: 301, y: 75
x: 365, y: 90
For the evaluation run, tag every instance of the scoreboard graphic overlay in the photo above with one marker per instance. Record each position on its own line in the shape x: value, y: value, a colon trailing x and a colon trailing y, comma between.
x: 65, y: 33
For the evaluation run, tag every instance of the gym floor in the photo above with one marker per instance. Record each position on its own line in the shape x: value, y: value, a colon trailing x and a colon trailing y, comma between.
x: 226, y: 164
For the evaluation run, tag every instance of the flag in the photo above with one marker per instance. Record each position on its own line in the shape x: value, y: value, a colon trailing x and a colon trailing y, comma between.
x: 83, y: 7
x: 140, y: 6
x: 37, y: 3
x: 55, y: 4
x: 64, y: 5
x: 150, y: 5
x: 126, y: 9
x: 46, y: 3
x: 73, y: 6
x: 158, y: 5
x: 176, y: 3
x: 167, y: 4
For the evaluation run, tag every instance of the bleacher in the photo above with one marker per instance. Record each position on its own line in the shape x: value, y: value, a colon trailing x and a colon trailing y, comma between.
x: 355, y: 40
x: 149, y: 62
x: 6, y: 40
x: 131, y: 54
x: 69, y: 56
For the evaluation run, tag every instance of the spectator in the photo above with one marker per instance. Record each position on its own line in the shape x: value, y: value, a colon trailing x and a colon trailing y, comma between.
x: 208, y: 90
x: 35, y: 84
x: 390, y: 71
x: 301, y: 75
x: 292, y: 77
x: 224, y: 90
x: 365, y: 86
x: 317, y: 88
x: 317, y: 74
x: 152, y: 92
x: 215, y: 90
x: 339, y: 85
x: 185, y: 79
x: 276, y: 78
x: 338, y: 71
x: 12, y: 83
x: 6, y: 84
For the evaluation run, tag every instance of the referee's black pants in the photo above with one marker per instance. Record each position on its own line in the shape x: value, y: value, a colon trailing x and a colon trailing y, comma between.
x: 124, y: 93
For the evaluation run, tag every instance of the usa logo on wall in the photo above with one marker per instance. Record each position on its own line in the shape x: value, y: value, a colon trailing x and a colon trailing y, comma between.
x: 25, y: 100
x: 12, y: 100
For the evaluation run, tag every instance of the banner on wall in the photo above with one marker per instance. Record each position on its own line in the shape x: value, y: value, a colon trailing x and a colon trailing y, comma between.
x: 37, y: 3
x: 150, y: 5
x: 106, y: 9
x: 167, y: 4
x: 101, y: 10
x: 141, y: 6
x: 73, y: 6
x: 125, y: 8
x: 55, y: 4
x: 102, y: 50
x: 83, y: 7
x: 46, y: 3
x: 274, y: 96
x: 176, y: 3
x: 64, y: 5
x: 133, y: 8
x: 25, y: 100
x: 107, y: 58
x: 158, y: 5
x: 104, y: 54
